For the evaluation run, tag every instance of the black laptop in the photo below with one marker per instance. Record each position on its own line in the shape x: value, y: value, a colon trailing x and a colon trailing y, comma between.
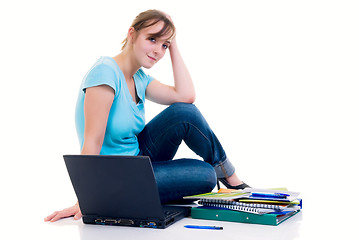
x: 119, y: 190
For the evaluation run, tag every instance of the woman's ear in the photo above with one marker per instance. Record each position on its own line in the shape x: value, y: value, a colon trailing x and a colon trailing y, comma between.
x: 131, y: 34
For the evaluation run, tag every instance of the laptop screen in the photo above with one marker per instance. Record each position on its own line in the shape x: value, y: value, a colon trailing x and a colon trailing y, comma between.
x: 115, y: 186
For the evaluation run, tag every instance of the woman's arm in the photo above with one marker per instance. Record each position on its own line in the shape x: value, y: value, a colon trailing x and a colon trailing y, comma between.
x: 97, y: 105
x: 183, y: 89
x: 183, y: 81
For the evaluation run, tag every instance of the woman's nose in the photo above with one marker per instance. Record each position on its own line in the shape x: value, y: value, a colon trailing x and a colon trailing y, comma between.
x: 157, y: 48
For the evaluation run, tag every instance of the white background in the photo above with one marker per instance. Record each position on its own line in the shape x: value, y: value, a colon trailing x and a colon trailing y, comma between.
x: 276, y: 80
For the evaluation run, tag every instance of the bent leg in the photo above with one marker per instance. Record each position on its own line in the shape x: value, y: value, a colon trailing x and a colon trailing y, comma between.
x: 162, y: 136
x: 183, y: 177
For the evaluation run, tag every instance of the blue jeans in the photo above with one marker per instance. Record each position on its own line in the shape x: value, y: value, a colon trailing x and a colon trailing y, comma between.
x: 160, y: 140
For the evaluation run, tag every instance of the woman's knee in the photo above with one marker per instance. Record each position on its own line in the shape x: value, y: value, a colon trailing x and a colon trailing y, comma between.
x: 202, y: 173
x: 186, y: 112
x: 183, y: 107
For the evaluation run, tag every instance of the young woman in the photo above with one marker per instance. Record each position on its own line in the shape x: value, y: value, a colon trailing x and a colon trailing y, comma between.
x: 110, y: 115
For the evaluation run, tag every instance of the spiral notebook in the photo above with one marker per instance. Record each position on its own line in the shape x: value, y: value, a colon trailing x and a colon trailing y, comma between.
x: 243, y: 204
x: 236, y: 207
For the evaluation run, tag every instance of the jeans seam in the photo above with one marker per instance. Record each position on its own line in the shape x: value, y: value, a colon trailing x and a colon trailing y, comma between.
x: 224, y: 171
x: 149, y: 153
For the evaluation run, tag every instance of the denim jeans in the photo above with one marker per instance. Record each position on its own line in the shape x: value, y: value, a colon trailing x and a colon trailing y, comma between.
x: 160, y: 140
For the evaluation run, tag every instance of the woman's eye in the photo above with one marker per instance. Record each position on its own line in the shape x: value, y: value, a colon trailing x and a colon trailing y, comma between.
x: 165, y: 46
x: 152, y: 39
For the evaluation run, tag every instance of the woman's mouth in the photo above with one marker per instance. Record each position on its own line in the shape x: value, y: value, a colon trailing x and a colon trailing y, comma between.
x: 152, y: 58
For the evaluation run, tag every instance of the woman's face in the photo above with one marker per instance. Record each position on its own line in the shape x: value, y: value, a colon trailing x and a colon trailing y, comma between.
x: 149, y: 50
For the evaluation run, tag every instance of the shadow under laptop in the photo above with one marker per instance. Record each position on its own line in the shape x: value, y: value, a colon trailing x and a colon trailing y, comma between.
x: 287, y: 230
x: 96, y: 232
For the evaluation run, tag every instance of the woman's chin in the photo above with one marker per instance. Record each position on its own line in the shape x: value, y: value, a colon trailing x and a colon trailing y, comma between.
x: 148, y: 66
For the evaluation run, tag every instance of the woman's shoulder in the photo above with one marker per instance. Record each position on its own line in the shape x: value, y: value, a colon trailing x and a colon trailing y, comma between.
x: 105, y: 61
x: 102, y: 72
x: 104, y: 66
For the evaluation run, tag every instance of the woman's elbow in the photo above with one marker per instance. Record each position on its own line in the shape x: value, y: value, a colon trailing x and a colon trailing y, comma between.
x: 92, y: 146
x: 189, y: 98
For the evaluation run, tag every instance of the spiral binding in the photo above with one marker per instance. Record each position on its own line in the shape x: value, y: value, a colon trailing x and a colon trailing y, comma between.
x: 252, y: 205
x: 256, y: 208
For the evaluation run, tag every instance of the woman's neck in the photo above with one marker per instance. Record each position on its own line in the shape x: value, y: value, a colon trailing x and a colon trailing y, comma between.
x: 127, y: 64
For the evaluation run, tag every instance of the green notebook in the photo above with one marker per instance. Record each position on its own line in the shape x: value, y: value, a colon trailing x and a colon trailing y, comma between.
x: 242, y: 217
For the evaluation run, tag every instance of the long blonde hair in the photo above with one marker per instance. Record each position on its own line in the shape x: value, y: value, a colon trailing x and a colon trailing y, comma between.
x: 149, y: 18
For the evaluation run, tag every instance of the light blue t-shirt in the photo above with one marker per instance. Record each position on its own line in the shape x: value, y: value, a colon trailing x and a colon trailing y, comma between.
x: 126, y: 118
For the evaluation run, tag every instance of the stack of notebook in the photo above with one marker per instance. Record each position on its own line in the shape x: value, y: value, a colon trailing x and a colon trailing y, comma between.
x: 259, y: 206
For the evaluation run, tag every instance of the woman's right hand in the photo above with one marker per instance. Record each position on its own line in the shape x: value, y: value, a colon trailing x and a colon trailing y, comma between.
x: 67, y: 212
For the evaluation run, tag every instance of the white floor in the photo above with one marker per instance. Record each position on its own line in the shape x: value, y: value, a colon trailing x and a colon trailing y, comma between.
x: 20, y: 221
x: 306, y: 225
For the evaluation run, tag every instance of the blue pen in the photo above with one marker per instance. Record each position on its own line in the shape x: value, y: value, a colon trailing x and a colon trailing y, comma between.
x: 270, y: 195
x: 204, y: 227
